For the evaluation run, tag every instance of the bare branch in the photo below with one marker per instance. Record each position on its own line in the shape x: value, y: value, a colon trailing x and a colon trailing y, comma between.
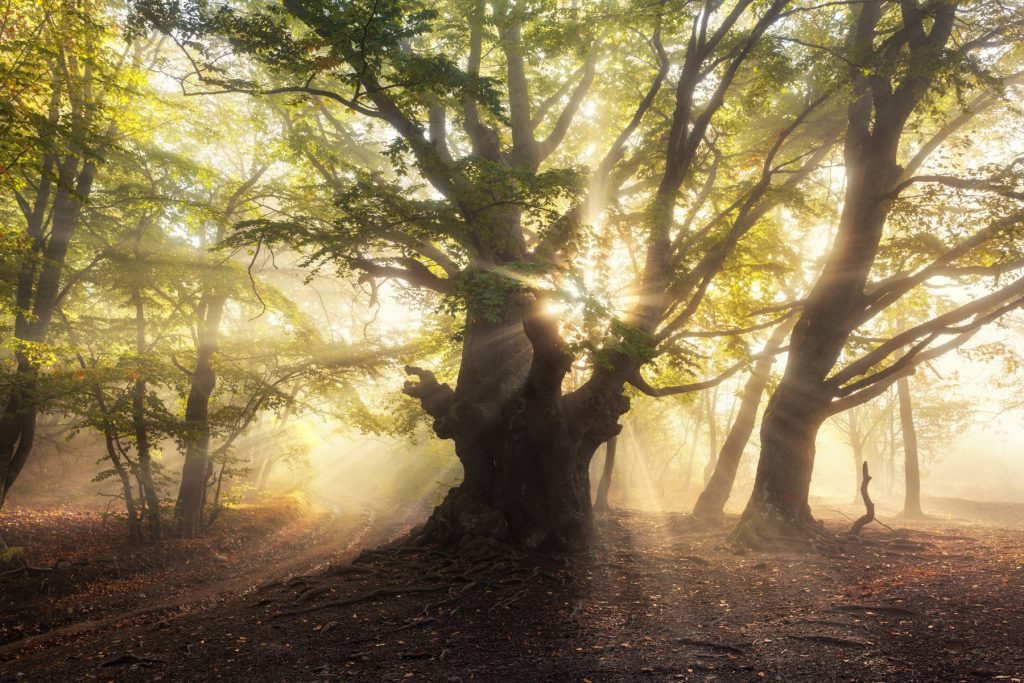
x: 564, y: 120
x: 637, y: 380
x: 983, y: 310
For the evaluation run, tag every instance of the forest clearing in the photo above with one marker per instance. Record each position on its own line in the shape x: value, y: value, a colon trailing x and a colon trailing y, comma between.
x: 564, y: 340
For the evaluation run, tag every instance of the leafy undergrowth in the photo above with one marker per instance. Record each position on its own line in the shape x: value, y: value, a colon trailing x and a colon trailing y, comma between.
x: 658, y: 600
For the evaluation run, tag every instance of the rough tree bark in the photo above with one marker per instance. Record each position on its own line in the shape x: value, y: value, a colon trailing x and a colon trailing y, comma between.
x: 877, y: 114
x: 189, y: 519
x: 524, y: 447
x: 713, y: 498
x: 601, y: 499
x: 912, y: 468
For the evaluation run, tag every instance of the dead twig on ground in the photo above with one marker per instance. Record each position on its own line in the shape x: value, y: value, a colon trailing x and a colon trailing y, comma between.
x: 869, y: 506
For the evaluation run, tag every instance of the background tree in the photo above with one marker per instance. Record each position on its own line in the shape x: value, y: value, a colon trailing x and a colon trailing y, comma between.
x: 900, y: 57
x: 72, y: 84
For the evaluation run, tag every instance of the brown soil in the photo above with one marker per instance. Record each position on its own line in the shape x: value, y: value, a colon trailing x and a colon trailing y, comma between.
x: 658, y: 600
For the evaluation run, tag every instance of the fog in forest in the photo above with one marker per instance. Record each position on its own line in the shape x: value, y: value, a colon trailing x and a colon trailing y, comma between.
x: 512, y: 340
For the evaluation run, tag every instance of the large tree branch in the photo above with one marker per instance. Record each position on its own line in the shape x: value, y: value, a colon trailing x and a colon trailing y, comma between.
x: 549, y: 144
x: 901, y: 369
x: 730, y: 332
x: 960, y: 183
x: 413, y: 273
x: 753, y: 207
x: 884, y: 293
x: 424, y: 248
x: 983, y: 310
x: 436, y: 398
x: 524, y: 145
x: 430, y: 163
x: 483, y: 138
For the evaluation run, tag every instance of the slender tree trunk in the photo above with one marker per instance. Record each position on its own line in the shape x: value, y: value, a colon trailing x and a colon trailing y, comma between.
x: 690, y: 457
x: 858, y: 462
x: 716, y: 493
x: 147, y: 485
x: 710, y: 402
x: 912, y: 470
x: 857, y: 447
x: 38, y: 290
x: 601, y: 500
x: 889, y: 467
x: 120, y: 468
x: 264, y: 473
x: 188, y: 510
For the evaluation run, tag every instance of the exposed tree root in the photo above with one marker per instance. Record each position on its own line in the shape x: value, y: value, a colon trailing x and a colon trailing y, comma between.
x: 376, y: 593
x: 462, y: 522
x: 829, y: 622
x: 311, y: 593
x: 832, y: 640
x: 773, y: 532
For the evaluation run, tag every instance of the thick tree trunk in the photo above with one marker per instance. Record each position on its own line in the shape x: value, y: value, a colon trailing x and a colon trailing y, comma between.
x: 713, y: 498
x: 912, y: 469
x: 778, y: 507
x: 601, y: 499
x: 188, y: 510
x: 525, y: 449
x: 877, y: 113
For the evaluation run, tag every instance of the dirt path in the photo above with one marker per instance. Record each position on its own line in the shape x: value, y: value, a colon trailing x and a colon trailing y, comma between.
x: 131, y: 588
x: 657, y: 601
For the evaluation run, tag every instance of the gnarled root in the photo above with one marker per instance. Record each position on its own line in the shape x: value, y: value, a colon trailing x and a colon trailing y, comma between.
x: 769, y: 530
x: 464, y: 522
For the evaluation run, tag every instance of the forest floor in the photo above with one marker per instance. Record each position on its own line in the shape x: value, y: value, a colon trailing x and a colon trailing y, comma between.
x: 270, y: 596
